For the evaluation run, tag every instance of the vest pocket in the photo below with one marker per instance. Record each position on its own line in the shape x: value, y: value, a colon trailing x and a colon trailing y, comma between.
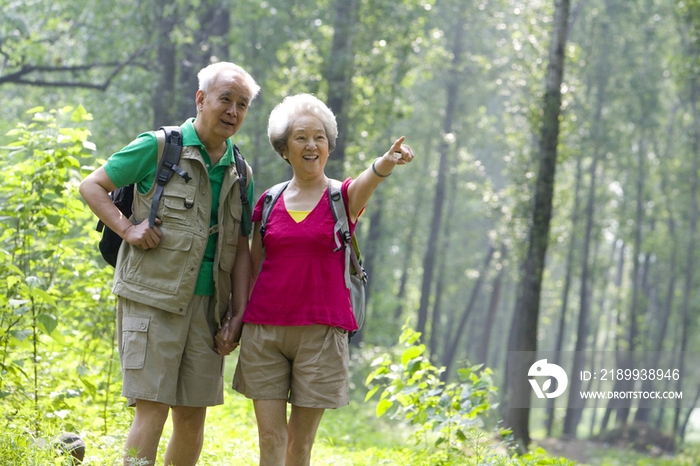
x: 231, y: 233
x: 134, y: 341
x: 227, y: 257
x: 161, y: 269
x: 233, y: 223
x: 178, y: 205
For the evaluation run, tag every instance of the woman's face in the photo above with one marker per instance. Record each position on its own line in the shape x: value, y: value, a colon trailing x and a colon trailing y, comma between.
x: 307, y: 146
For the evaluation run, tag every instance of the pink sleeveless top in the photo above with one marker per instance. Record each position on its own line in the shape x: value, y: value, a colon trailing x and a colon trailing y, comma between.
x: 302, y: 278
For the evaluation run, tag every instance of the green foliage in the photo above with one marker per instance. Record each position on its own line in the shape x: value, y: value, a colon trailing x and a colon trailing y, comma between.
x: 448, y: 415
x: 57, y: 354
x: 17, y: 447
x: 48, y: 275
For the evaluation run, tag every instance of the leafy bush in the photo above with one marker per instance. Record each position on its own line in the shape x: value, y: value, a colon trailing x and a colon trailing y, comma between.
x: 57, y: 361
x: 450, y: 414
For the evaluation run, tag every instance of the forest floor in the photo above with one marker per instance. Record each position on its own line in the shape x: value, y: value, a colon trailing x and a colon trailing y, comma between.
x: 352, y: 436
x: 592, y: 453
x: 574, y: 449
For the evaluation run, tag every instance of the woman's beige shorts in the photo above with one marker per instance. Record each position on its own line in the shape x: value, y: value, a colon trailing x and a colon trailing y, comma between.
x: 306, y: 364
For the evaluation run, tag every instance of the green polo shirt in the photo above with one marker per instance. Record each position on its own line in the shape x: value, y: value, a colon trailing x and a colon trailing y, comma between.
x: 137, y: 163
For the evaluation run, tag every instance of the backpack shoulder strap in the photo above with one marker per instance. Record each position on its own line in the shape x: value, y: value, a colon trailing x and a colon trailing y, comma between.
x: 168, y: 158
x: 270, y: 198
x: 341, y: 231
x: 242, y: 170
x: 340, y: 216
x: 160, y: 137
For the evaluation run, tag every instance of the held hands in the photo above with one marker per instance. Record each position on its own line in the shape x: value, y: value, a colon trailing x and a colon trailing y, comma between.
x: 143, y: 236
x: 228, y: 338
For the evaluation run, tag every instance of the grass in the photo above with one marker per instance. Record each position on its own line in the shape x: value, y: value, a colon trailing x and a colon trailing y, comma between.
x: 350, y: 436
x: 601, y: 456
x: 589, y: 453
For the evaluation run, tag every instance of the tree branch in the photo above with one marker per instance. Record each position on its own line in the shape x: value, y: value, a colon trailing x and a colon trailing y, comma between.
x: 19, y: 77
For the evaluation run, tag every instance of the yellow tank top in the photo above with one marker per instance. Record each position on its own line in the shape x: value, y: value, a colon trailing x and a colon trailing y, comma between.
x: 299, y: 215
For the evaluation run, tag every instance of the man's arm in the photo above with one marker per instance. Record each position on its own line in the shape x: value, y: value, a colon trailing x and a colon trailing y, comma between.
x: 95, y: 189
x: 230, y: 334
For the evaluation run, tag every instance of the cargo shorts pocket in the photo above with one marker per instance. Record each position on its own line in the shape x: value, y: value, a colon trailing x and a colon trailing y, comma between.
x: 134, y: 341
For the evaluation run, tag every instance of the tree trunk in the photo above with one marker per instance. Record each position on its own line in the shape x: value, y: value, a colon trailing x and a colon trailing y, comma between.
x: 643, y: 415
x: 497, y: 359
x: 163, y: 101
x: 339, y: 73
x: 483, y: 349
x: 618, y: 285
x: 371, y: 250
x: 407, y: 256
x: 453, y: 84
x: 559, y: 345
x: 523, y: 335
x: 687, y: 415
x: 448, y: 357
x: 690, y: 251
x: 604, y: 344
x: 623, y: 412
x: 437, y: 310
x: 573, y: 415
x: 371, y: 242
x: 444, y: 247
x: 418, y: 209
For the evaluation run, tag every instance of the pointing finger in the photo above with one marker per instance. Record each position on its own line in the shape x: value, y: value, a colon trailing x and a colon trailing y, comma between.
x: 397, y: 145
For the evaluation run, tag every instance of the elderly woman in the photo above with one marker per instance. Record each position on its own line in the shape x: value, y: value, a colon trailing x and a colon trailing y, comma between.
x: 294, y: 343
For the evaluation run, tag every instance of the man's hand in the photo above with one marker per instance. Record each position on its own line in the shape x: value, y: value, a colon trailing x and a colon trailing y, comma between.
x: 143, y: 235
x: 228, y: 338
x: 95, y: 189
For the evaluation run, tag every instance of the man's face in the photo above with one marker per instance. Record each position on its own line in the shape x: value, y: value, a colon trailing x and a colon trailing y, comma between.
x: 222, y: 109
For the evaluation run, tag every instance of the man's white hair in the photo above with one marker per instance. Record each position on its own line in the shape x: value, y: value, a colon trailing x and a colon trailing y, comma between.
x: 208, y: 75
x: 293, y: 107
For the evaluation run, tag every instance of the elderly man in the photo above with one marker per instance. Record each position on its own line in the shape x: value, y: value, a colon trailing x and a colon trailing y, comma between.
x: 182, y: 284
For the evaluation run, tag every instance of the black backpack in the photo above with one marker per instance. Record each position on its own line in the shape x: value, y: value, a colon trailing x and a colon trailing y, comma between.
x: 123, y: 197
x: 355, y: 276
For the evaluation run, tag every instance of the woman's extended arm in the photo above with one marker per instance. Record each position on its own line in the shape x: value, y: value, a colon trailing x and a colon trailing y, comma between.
x: 362, y: 188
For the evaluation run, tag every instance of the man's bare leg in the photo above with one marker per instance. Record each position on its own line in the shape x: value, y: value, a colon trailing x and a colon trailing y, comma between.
x: 145, y: 432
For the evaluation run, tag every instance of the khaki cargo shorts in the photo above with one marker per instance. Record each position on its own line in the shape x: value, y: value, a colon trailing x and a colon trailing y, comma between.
x: 306, y: 365
x: 170, y: 358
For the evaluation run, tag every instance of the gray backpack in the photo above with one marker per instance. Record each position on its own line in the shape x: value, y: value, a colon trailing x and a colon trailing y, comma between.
x: 355, y: 279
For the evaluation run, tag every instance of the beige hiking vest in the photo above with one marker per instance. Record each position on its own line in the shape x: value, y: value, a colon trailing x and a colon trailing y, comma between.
x: 165, y: 277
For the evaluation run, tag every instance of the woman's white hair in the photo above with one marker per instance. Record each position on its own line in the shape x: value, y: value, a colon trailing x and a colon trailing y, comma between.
x: 293, y: 107
x: 207, y: 76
